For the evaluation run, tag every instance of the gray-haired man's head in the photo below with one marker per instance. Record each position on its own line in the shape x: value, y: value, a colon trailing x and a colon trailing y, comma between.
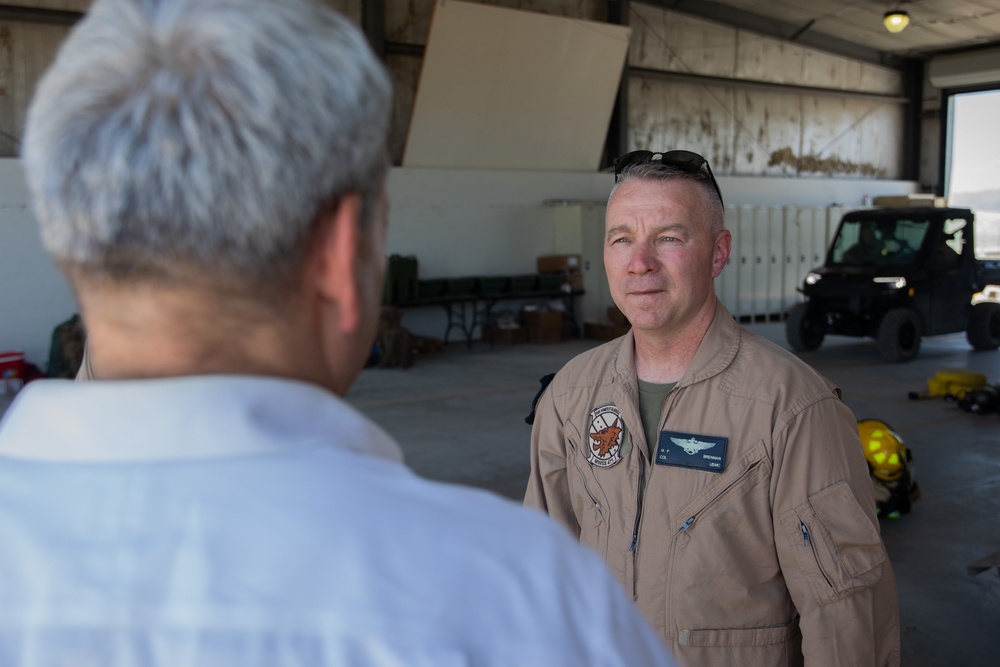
x: 203, y: 136
x: 658, y: 171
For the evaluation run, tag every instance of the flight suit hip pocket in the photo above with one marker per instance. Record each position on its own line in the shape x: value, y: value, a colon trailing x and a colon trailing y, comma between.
x: 835, y: 544
x: 766, y: 636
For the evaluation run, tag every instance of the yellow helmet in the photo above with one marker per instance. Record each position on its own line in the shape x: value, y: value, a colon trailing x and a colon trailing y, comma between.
x: 884, y: 449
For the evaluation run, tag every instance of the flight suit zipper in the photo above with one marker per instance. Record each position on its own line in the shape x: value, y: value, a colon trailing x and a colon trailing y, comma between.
x: 641, y: 492
x: 808, y: 541
x: 691, y: 519
x: 638, y: 505
x: 634, y: 547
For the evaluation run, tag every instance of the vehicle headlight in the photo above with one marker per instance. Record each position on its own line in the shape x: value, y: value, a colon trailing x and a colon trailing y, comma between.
x: 896, y: 282
x: 812, y: 278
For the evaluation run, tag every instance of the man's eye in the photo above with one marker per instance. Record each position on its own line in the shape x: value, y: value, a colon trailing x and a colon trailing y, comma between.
x: 619, y: 240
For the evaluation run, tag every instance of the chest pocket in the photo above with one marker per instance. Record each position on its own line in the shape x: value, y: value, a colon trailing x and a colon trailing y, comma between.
x: 726, y: 489
x: 835, y: 544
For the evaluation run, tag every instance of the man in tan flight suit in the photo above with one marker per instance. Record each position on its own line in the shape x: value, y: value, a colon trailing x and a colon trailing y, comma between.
x: 721, y: 479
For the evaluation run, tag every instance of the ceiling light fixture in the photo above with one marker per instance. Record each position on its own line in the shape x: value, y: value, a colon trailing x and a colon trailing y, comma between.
x: 895, y: 20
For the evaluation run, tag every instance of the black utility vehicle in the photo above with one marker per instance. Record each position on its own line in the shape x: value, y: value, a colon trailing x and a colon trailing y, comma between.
x: 897, y: 275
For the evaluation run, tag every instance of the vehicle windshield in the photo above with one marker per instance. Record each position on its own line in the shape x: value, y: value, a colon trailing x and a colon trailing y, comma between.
x: 988, y: 234
x: 878, y: 242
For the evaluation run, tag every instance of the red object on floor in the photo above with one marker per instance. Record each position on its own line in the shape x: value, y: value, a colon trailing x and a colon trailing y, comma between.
x: 11, y: 364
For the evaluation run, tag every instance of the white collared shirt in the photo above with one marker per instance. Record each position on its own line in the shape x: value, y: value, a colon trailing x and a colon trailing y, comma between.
x: 249, y: 521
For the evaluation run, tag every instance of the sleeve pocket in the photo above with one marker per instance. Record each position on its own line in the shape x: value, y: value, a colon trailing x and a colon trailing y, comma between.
x: 835, y: 544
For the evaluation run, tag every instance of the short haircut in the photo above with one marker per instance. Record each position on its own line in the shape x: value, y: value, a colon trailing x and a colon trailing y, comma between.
x: 205, y: 135
x: 654, y: 170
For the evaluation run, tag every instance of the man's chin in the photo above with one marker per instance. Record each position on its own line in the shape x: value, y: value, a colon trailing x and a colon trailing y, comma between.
x: 645, y: 321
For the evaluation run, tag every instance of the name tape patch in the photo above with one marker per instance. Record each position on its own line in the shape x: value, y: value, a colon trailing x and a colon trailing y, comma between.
x: 692, y: 450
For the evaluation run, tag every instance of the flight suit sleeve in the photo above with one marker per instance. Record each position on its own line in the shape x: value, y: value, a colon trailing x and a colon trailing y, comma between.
x: 828, y: 543
x: 548, y: 483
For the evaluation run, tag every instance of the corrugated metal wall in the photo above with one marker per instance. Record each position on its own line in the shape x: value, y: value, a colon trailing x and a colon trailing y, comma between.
x: 680, y: 96
x: 773, y: 132
x: 26, y: 50
x: 782, y: 131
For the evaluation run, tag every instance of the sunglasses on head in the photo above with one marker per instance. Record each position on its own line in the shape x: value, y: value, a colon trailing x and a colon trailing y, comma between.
x: 683, y: 160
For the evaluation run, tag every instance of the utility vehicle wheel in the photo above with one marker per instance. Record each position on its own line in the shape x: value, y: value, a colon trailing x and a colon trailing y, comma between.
x: 984, y: 326
x: 899, y: 335
x: 805, y: 328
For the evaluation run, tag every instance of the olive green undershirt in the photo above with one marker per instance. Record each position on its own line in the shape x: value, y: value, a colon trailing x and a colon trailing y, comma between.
x: 651, y: 399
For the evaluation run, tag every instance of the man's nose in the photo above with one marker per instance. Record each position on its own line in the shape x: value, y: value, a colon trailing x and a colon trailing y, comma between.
x: 643, y: 259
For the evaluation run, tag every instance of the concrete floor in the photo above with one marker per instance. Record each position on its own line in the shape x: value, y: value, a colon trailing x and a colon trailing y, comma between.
x: 459, y: 416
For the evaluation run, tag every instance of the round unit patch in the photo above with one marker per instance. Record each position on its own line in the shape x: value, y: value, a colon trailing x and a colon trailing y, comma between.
x: 606, y: 433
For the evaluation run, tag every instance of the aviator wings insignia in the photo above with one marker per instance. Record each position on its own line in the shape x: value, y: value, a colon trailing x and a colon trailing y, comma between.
x: 691, y: 445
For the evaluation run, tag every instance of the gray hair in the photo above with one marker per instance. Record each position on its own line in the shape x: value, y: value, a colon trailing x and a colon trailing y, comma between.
x: 655, y: 170
x: 203, y: 133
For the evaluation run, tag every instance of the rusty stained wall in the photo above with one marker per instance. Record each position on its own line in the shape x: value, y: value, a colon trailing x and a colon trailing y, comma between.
x: 768, y: 133
x: 754, y: 131
x: 26, y: 50
x: 406, y: 22
x: 409, y: 21
x: 64, y: 5
x: 664, y: 116
x: 742, y: 131
x: 674, y: 42
x: 852, y: 137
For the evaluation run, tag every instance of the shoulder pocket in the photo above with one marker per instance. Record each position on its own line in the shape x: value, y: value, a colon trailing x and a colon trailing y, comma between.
x: 835, y: 543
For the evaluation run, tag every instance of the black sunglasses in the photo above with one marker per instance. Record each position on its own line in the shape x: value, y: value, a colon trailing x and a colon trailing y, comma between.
x: 684, y: 160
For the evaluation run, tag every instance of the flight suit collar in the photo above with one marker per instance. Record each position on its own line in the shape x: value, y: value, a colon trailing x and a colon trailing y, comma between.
x: 716, y: 352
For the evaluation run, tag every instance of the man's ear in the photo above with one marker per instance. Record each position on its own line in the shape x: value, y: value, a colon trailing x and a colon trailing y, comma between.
x: 337, y: 248
x: 723, y: 247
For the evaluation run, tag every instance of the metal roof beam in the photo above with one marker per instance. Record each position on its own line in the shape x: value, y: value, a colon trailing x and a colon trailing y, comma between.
x: 685, y: 77
x: 38, y: 15
x: 738, y: 18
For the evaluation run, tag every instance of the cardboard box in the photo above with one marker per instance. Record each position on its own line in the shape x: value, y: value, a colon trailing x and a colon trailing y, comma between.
x: 910, y: 200
x: 542, y: 326
x: 575, y: 281
x: 558, y: 263
x: 543, y: 336
x: 542, y: 319
x: 498, y: 336
x: 603, y: 331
